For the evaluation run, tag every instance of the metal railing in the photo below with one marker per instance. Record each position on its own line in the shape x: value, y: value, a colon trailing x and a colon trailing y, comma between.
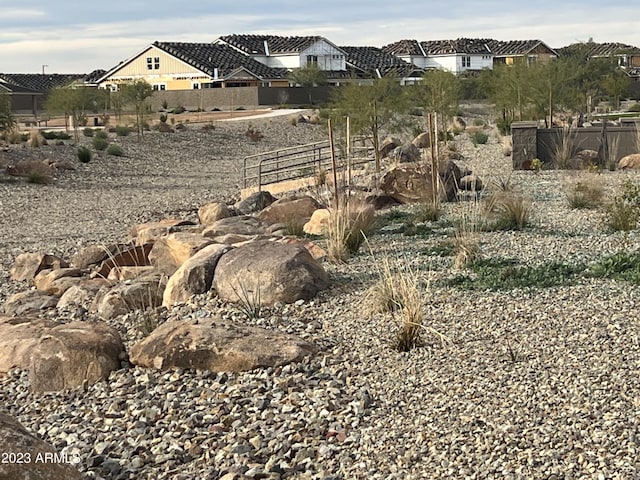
x: 298, y: 162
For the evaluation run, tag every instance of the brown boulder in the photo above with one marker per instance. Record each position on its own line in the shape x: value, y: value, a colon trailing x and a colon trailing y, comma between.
x: 218, y: 346
x: 388, y: 145
x: 92, y: 255
x: 74, y: 353
x: 167, y: 223
x: 254, y: 203
x: 317, y: 224
x: 242, y: 225
x: 194, y: 276
x: 129, y: 273
x: 423, y: 140
x: 290, y: 211
x: 139, y: 294
x: 212, y: 212
x: 18, y: 337
x: 630, y: 161
x: 273, y: 271
x: 28, y: 265
x: 409, y: 184
x: 406, y: 154
x: 471, y: 183
x: 28, y: 302
x: 81, y: 294
x: 458, y: 123
x: 169, y: 252
x: 45, y: 279
x: 17, y: 440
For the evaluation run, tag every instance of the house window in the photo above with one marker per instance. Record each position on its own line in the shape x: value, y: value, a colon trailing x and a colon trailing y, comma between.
x: 156, y: 63
x: 149, y: 63
x: 159, y: 86
x: 196, y: 86
x: 466, y: 62
x: 312, y: 59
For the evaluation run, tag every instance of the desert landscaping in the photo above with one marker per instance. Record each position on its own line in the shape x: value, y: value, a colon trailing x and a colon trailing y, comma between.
x: 161, y: 327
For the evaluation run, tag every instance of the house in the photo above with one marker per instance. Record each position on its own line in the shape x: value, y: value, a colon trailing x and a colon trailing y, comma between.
x: 23, y: 100
x: 373, y: 62
x: 289, y: 53
x: 188, y: 66
x: 457, y: 56
x: 512, y: 51
x: 627, y: 57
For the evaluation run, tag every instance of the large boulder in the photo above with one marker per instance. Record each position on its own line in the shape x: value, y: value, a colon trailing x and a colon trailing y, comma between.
x: 167, y: 225
x: 388, y: 145
x: 18, y: 338
x: 630, y: 161
x: 409, y: 183
x: 273, y: 271
x: 36, y: 455
x: 27, y: 265
x: 218, y: 346
x: 458, y: 123
x: 408, y: 153
x: 423, y: 140
x: 73, y: 354
x: 46, y: 279
x: 317, y: 224
x: 81, y: 294
x: 169, y: 252
x: 139, y: 294
x: 241, y: 225
x: 212, y: 212
x: 29, y: 302
x: 194, y: 276
x: 254, y: 203
x: 471, y: 183
x: 290, y: 211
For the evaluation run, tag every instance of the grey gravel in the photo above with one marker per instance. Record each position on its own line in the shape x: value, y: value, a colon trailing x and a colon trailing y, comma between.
x: 530, y: 383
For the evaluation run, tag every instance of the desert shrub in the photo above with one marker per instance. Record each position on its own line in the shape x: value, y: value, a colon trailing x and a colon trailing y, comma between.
x: 115, y: 150
x: 347, y: 229
x: 508, y: 210
x: 623, y: 211
x: 88, y: 132
x: 84, y: 154
x: 163, y: 118
x: 466, y: 245
x: 478, y: 122
x: 99, y: 143
x: 563, y: 149
x: 585, y: 191
x: 122, y: 130
x: 253, y: 134
x: 101, y: 134
x: 165, y: 105
x: 504, y: 126
x: 64, y: 136
x: 164, y: 128
x: 36, y: 140
x: 427, y: 212
x: 178, y: 110
x: 14, y: 137
x: 619, y: 266
x: 208, y: 127
x: 49, y: 135
x: 295, y: 229
x: 479, y: 138
x: 634, y: 108
x: 34, y: 171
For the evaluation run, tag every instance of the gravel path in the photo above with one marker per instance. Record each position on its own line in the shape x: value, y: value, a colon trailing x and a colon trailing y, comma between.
x: 531, y: 383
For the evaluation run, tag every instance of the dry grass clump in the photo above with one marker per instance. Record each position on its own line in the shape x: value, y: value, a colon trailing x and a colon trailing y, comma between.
x: 347, y: 228
x: 563, y: 148
x: 505, y: 208
x: 585, y: 191
x: 34, y: 171
x: 36, y: 140
x: 466, y: 244
x: 622, y: 213
x: 428, y: 212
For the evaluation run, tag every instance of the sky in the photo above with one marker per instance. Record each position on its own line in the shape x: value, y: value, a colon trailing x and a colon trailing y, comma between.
x: 73, y: 36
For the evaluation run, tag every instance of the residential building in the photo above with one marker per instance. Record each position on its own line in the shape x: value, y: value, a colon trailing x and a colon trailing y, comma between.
x: 187, y: 66
x: 512, y: 51
x: 367, y: 63
x: 457, y: 56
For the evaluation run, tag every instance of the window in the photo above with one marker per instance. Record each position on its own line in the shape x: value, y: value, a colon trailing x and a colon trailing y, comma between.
x: 156, y: 63
x: 312, y: 59
x: 160, y: 86
x: 149, y: 63
x: 466, y: 62
x: 196, y: 86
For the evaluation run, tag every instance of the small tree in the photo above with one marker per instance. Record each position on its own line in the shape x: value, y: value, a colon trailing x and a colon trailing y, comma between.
x: 136, y: 94
x: 616, y: 85
x: 74, y: 103
x: 7, y: 119
x: 371, y: 108
x: 308, y: 76
x: 439, y: 92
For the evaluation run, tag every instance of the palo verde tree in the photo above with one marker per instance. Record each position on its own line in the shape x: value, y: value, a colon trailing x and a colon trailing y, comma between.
x: 136, y: 94
x: 371, y: 109
x: 74, y: 103
x: 439, y: 92
x: 7, y: 120
x: 616, y: 84
x: 308, y: 76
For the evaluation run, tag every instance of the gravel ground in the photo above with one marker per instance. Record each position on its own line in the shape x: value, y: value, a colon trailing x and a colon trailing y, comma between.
x: 525, y: 383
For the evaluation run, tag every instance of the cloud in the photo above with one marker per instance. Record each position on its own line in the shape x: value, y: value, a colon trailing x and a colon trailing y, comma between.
x: 14, y: 14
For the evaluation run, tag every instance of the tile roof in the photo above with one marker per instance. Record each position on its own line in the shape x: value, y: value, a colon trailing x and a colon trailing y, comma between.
x: 41, y: 83
x: 512, y: 47
x: 255, y: 44
x: 592, y: 49
x: 452, y: 47
x: 372, y: 60
x: 8, y: 87
x: 209, y: 56
x: 404, y: 47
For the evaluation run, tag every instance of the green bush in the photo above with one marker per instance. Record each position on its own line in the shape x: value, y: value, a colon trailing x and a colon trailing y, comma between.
x: 101, y: 134
x: 115, y: 150
x: 122, y: 130
x: 623, y: 212
x: 480, y: 138
x: 84, y: 154
x: 635, y: 107
x: 178, y: 110
x: 88, y: 132
x: 100, y: 143
x: 63, y: 136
